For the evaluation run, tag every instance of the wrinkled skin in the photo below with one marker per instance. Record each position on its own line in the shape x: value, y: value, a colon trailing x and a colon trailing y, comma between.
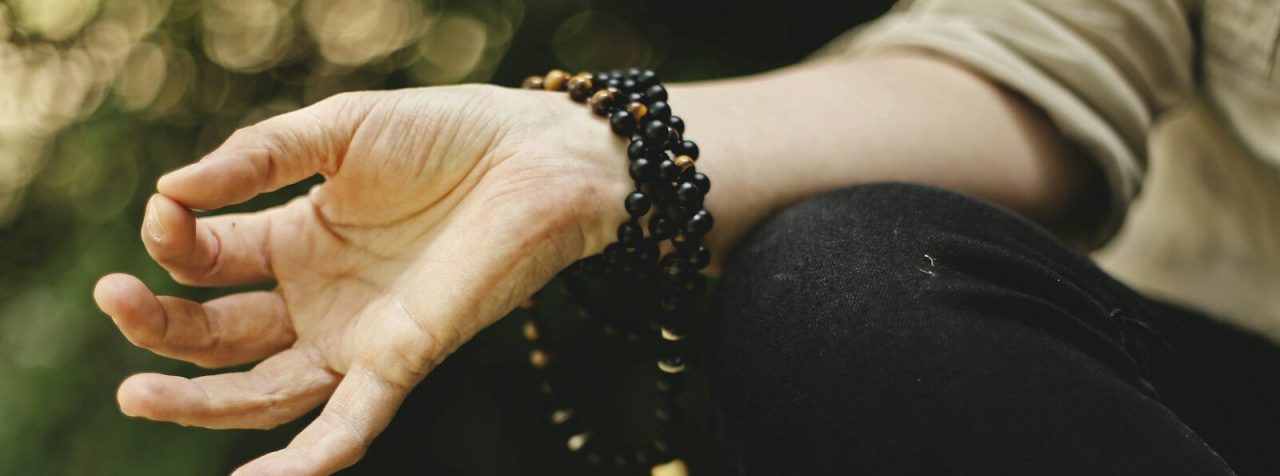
x: 442, y: 208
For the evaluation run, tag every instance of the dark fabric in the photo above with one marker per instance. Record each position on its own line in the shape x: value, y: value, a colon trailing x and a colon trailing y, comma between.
x: 894, y: 329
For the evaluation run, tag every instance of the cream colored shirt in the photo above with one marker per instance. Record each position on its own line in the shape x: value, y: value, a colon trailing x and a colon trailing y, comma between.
x: 1176, y: 99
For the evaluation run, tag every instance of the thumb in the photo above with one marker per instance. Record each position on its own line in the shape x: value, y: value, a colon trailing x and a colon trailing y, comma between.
x: 270, y: 154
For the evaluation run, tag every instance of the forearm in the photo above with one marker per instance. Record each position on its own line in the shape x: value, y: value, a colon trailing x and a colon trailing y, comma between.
x: 773, y: 139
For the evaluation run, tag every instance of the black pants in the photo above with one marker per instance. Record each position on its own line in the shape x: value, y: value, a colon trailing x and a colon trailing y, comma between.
x: 901, y: 330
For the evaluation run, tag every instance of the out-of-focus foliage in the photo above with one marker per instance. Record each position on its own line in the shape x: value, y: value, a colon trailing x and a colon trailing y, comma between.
x: 99, y: 97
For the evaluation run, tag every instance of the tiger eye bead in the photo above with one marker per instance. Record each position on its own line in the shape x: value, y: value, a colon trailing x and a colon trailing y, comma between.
x: 539, y: 359
x: 600, y: 102
x: 532, y: 82
x: 556, y: 80
x: 638, y: 110
x: 531, y: 331
x: 684, y: 162
x: 580, y: 87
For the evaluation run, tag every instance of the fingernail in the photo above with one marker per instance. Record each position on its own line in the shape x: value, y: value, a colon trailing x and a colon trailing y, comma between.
x: 152, y: 221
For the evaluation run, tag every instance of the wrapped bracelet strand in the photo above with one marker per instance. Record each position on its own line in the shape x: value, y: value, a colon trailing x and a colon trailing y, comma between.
x: 668, y: 198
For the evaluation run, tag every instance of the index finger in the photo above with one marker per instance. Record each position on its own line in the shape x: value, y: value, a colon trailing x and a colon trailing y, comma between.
x: 269, y: 155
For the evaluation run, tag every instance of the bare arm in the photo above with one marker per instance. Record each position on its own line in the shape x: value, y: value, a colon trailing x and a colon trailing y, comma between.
x: 776, y: 138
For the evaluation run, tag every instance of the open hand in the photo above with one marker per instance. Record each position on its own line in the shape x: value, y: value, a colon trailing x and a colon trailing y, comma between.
x: 442, y: 208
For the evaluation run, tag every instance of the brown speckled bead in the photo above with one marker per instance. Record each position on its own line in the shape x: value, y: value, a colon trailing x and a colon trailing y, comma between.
x: 556, y: 80
x: 580, y: 87
x: 684, y: 162
x: 532, y: 82
x: 599, y: 102
x: 539, y: 359
x: 531, y: 331
x: 673, y: 135
x: 617, y: 95
x: 637, y: 110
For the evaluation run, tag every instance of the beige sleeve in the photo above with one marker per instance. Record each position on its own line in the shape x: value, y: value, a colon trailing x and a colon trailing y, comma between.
x: 1102, y: 70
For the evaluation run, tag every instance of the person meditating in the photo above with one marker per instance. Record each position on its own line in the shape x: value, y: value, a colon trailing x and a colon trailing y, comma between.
x: 899, y: 223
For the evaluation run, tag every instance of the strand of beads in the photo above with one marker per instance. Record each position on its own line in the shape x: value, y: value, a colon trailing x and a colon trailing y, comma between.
x: 669, y: 191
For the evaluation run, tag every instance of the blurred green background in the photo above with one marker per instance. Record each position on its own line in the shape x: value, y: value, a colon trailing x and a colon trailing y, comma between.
x: 100, y: 97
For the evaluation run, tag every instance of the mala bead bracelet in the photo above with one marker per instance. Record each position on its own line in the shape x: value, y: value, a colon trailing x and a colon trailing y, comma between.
x: 666, y: 205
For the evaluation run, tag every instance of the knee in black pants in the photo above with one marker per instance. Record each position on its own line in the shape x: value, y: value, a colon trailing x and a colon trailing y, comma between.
x: 899, y: 329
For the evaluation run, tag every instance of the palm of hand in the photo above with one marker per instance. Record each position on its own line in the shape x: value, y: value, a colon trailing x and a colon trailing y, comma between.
x: 436, y: 217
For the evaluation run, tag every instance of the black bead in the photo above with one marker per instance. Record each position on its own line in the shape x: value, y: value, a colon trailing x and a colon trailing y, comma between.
x: 630, y: 233
x: 643, y: 458
x: 669, y: 384
x: 688, y: 194
x: 676, y: 304
x: 686, y: 147
x: 698, y: 257
x: 632, y: 72
x: 668, y: 170
x: 623, y: 123
x: 637, y: 148
x: 656, y: 131
x: 613, y: 82
x: 699, y: 224
x: 677, y: 123
x: 638, y: 203
x: 622, y: 460
x: 700, y: 180
x: 629, y: 85
x: 673, y: 266
x: 672, y: 359
x: 647, y: 251
x: 647, y: 79
x: 659, y: 110
x: 592, y: 265
x: 693, y: 285
x: 572, y: 287
x: 663, y: 450
x: 663, y: 195
x: 637, y: 97
x: 656, y: 92
x: 554, y: 391
x: 668, y: 412
x: 661, y: 226
x: 614, y: 254
x: 644, y: 170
